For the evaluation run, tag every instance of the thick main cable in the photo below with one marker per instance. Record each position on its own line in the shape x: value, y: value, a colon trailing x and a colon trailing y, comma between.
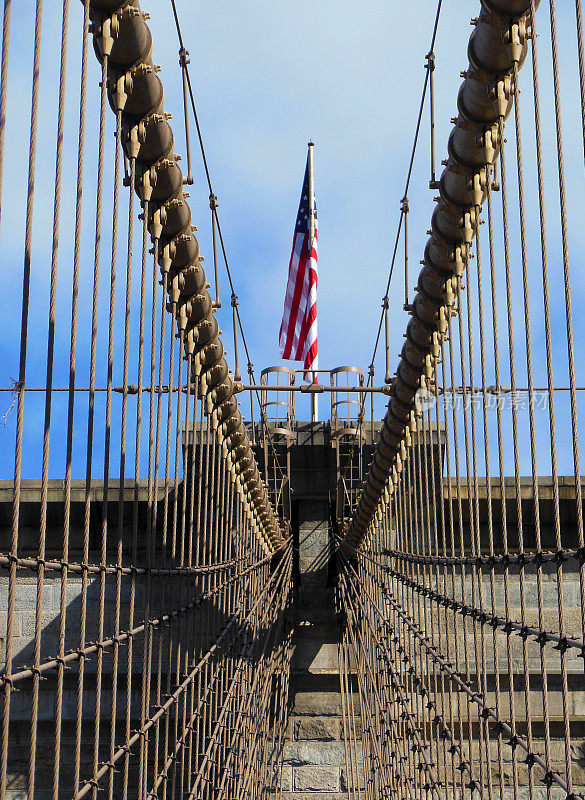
x: 497, y: 48
x: 123, y: 41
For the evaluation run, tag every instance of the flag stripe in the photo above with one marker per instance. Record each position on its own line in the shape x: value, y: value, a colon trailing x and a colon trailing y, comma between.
x: 296, y: 280
x: 298, y: 330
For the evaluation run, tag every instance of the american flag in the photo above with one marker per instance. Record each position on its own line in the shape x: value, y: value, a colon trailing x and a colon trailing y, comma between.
x: 298, y: 330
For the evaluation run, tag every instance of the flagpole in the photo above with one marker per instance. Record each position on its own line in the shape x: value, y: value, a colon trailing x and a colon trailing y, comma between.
x: 314, y: 405
x: 311, y: 197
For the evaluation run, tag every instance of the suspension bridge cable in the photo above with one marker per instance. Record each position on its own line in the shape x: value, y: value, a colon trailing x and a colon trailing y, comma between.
x: 464, y: 188
x: 213, y: 204
x: 176, y: 251
x: 403, y: 209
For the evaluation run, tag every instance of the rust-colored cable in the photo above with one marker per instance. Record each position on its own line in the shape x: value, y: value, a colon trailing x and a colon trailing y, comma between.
x: 123, y: 40
x: 485, y: 100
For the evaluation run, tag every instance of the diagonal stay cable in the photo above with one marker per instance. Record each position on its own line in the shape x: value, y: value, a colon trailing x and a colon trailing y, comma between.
x: 219, y: 230
x: 408, y: 178
x: 402, y: 209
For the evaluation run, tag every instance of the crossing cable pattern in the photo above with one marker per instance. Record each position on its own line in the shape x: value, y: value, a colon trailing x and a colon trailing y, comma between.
x: 461, y: 586
x: 160, y: 626
x: 148, y: 632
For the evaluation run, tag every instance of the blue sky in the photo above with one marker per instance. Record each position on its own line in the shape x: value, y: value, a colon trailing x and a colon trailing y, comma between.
x: 268, y: 77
